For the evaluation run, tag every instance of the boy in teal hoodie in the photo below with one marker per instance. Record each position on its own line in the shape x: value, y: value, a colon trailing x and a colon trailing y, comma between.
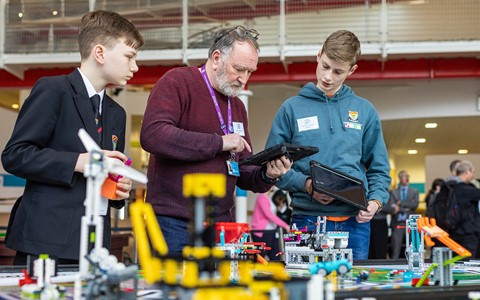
x: 347, y: 130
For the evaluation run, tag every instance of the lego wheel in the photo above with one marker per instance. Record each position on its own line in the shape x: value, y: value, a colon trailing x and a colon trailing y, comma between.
x: 322, y: 271
x: 342, y: 269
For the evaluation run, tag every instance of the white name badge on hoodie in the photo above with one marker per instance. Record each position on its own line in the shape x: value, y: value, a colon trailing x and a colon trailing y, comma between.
x: 309, y: 123
x: 238, y: 128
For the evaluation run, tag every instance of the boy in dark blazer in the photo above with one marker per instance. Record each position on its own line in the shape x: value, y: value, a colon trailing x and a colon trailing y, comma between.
x: 45, y: 148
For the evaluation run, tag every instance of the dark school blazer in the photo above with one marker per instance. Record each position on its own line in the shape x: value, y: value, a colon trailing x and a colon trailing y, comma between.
x: 43, y: 149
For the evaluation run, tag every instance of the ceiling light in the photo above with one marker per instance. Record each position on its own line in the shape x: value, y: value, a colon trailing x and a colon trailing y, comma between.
x: 420, y: 140
x: 417, y: 2
x: 54, y: 12
x: 20, y: 14
x: 411, y: 151
x: 431, y: 125
x: 462, y: 151
x: 15, y: 106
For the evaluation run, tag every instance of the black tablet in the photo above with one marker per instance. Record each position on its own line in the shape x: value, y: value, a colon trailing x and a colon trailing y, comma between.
x: 338, y: 185
x: 293, y: 152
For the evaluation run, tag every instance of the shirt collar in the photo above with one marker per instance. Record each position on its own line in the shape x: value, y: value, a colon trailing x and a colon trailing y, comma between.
x: 90, y: 89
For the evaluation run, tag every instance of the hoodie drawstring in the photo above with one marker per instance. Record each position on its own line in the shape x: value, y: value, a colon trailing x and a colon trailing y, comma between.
x: 332, y: 130
x: 340, y: 113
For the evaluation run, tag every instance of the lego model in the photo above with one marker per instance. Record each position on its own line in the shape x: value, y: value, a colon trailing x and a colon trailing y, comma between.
x: 187, y: 277
x: 243, y: 250
x: 341, y: 266
x: 238, y: 247
x: 415, y: 248
x: 303, y: 248
x: 106, y: 276
x: 42, y: 287
x: 96, y: 267
x: 429, y: 226
x: 443, y: 274
x: 442, y: 259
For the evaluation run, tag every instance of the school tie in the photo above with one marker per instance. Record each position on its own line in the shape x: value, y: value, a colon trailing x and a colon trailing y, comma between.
x: 98, y: 118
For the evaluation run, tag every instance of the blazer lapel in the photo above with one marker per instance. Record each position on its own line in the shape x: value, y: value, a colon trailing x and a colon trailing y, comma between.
x: 396, y: 192
x: 410, y: 194
x: 83, y: 104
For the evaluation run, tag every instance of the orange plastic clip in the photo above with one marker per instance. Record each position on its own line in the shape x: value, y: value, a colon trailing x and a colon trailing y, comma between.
x: 109, y: 189
x: 261, y: 260
x: 429, y: 226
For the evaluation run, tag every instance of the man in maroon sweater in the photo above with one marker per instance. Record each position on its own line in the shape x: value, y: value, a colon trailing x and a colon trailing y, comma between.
x: 194, y: 123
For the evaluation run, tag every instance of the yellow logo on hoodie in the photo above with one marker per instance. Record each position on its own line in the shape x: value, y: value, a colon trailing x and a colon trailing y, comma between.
x: 353, y: 116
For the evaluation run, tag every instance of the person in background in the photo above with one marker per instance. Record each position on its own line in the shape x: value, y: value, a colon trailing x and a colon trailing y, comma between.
x: 265, y: 222
x: 429, y: 201
x: 195, y: 123
x: 347, y: 130
x: 468, y: 232
x: 452, y: 167
x: 437, y: 205
x: 404, y: 200
x: 379, y: 240
x: 284, y: 212
x: 45, y: 148
x: 430, y: 196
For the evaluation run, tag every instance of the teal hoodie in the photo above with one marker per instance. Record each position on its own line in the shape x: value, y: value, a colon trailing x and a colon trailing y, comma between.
x: 347, y: 130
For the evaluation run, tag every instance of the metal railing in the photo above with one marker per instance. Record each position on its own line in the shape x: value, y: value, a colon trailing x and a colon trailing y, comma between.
x: 287, y: 27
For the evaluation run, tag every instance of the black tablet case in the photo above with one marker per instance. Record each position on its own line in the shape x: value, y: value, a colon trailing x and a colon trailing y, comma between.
x: 338, y: 185
x: 293, y: 152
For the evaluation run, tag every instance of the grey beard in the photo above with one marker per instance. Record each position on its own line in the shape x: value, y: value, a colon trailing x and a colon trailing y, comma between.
x: 225, y: 87
x: 228, y: 90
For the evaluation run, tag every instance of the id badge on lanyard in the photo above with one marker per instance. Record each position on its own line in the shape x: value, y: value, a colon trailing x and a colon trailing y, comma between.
x: 232, y: 165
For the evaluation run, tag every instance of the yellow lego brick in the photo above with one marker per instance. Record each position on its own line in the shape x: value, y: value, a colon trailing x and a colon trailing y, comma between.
x: 204, y: 185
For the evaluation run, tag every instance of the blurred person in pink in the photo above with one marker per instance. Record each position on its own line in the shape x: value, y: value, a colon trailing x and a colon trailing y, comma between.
x: 265, y: 222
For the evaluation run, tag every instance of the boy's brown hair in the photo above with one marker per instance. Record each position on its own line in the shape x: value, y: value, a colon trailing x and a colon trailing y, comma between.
x: 105, y: 28
x: 342, y: 45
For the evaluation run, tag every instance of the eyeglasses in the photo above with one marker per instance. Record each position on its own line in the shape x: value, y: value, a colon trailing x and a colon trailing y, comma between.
x: 241, y: 32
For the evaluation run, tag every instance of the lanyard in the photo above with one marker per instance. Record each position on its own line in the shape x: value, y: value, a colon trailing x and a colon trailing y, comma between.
x: 217, y: 107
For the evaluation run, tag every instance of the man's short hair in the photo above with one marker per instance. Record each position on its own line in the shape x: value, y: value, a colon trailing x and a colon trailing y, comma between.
x: 105, y: 28
x: 225, y: 38
x: 343, y: 46
x: 463, y: 166
x: 453, y: 164
x: 402, y: 173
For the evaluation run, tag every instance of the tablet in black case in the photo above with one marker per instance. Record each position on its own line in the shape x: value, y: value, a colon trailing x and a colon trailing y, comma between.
x: 293, y: 152
x: 338, y: 185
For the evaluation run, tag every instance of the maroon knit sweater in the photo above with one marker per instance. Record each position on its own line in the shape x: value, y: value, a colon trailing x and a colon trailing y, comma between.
x: 182, y: 133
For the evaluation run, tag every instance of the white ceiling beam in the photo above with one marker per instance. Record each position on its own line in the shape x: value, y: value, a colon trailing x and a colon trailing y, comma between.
x: 16, y: 70
x: 15, y: 62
